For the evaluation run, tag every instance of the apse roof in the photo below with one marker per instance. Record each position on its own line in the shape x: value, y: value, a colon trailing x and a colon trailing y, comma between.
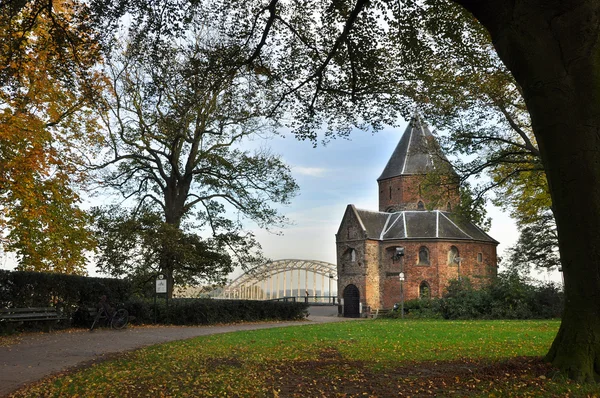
x: 434, y: 224
x: 418, y: 152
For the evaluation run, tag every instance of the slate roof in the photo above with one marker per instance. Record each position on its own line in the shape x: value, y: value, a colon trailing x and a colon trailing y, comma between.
x: 434, y: 224
x: 418, y: 152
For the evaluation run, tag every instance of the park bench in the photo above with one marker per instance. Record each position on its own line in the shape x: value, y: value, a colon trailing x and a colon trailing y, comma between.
x: 10, y: 317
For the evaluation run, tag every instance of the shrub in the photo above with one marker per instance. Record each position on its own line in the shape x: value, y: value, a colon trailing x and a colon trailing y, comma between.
x: 510, y: 296
x: 419, y: 308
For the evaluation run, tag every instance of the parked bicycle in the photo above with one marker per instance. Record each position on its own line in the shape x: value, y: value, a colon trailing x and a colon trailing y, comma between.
x: 116, y: 319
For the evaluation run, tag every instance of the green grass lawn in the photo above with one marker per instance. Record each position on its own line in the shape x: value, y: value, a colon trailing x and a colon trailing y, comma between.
x: 365, y: 358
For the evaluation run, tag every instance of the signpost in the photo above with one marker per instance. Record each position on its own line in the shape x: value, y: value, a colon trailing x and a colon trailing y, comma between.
x: 161, y: 287
x: 161, y: 284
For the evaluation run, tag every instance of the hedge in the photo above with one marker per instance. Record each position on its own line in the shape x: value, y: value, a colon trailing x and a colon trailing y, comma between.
x: 209, y: 311
x: 73, y: 294
x: 67, y: 292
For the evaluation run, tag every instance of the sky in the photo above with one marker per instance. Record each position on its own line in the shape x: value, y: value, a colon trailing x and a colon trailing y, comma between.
x: 330, y: 177
x: 343, y: 172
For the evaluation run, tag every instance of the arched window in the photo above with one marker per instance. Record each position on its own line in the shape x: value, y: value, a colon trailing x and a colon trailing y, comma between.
x: 350, y: 255
x: 423, y: 256
x: 424, y: 291
x: 479, y: 257
x: 420, y: 205
x: 453, y: 256
x: 449, y: 206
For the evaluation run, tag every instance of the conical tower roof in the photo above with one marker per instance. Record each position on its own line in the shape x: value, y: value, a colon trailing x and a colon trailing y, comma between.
x: 418, y: 152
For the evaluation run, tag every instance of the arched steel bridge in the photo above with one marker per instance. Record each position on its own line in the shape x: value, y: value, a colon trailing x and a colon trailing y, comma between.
x: 304, y: 279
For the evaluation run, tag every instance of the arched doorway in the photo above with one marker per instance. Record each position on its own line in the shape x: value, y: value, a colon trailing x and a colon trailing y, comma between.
x: 351, y: 302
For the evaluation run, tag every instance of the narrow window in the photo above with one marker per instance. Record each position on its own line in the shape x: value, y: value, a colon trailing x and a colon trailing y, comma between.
x: 449, y: 206
x: 420, y: 205
x: 390, y: 192
x: 453, y: 256
x: 424, y: 291
x: 479, y: 257
x: 423, y: 256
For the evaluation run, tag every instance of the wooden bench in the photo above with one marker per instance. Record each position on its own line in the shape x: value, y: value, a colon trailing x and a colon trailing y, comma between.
x: 15, y: 316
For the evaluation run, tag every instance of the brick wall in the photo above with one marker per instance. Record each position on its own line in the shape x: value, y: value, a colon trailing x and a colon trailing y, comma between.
x: 404, y: 193
x: 351, y: 269
x: 438, y: 272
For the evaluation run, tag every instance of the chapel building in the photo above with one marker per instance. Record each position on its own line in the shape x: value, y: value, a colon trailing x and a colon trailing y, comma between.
x: 414, y: 232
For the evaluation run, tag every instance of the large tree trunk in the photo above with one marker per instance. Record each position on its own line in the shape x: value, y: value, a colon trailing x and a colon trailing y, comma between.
x: 553, y: 50
x: 175, y: 196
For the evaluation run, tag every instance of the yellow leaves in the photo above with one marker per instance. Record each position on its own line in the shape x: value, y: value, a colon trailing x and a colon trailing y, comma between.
x: 45, y: 121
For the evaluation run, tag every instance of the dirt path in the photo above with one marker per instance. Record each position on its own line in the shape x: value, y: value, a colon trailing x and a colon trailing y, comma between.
x: 36, y: 356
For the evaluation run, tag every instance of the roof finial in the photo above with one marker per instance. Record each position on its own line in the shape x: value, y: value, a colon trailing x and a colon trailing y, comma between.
x: 416, y: 117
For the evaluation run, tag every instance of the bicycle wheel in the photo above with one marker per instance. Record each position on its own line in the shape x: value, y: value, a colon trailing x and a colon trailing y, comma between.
x: 120, y: 319
x: 96, y: 319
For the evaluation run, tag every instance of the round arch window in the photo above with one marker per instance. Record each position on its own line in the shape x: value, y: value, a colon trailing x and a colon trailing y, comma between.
x: 424, y: 290
x: 453, y: 255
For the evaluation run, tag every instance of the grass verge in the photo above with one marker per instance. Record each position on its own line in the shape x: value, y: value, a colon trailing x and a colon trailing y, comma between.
x: 366, y: 358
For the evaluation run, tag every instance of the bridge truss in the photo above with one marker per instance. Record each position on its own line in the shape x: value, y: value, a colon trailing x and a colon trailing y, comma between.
x: 284, y: 278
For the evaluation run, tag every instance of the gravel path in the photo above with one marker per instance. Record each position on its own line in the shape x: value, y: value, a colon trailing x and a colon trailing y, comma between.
x: 35, y: 356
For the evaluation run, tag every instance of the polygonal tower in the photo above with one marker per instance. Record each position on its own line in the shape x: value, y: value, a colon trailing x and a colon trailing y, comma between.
x: 418, y: 175
x: 414, y: 233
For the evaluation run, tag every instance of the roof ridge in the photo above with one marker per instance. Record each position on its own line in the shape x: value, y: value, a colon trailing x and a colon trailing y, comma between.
x: 459, y: 228
x: 384, y: 230
x: 355, y: 210
x: 387, y: 220
x: 410, y: 134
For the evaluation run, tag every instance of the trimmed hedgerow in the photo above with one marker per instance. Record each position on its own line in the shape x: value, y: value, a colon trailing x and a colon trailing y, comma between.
x: 210, y: 311
x: 43, y: 289
x: 72, y: 295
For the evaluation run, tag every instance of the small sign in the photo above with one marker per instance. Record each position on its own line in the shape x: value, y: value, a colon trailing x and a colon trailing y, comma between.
x: 161, y: 286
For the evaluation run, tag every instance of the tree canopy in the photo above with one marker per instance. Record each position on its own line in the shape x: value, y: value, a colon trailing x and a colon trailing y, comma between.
x: 47, y: 82
x: 176, y: 128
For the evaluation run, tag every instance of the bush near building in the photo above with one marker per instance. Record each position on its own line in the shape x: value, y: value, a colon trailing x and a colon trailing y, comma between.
x: 510, y: 296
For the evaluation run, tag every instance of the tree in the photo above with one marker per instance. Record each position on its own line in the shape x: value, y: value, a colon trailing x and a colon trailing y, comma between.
x: 537, y: 246
x: 175, y: 128
x: 526, y: 195
x: 47, y: 81
x: 552, y: 51
x: 131, y: 245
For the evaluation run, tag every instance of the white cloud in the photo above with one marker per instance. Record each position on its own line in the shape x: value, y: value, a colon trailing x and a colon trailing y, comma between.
x: 310, y: 171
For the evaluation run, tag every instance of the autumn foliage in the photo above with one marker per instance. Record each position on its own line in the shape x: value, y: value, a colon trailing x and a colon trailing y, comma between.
x: 47, y: 56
